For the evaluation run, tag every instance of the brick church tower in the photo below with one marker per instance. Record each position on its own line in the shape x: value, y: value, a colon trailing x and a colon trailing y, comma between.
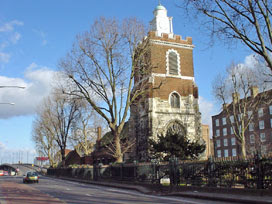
x: 174, y: 105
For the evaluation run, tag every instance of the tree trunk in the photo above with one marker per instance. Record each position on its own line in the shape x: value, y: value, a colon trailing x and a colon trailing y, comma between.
x: 243, y: 148
x: 118, y: 150
x: 63, y: 157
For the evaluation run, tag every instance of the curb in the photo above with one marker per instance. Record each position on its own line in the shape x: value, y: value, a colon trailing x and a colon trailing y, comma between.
x: 197, y: 195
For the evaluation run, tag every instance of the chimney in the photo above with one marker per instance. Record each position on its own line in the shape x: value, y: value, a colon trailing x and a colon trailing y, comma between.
x: 254, y: 90
x: 235, y: 97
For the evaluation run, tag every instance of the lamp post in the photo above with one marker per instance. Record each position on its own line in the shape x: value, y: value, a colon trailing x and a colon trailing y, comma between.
x: 19, y: 87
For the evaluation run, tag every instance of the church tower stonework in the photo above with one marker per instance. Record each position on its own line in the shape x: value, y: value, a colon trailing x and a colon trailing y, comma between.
x: 174, y: 105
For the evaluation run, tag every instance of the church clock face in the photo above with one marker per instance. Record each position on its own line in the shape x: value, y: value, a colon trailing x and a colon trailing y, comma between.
x: 162, y: 24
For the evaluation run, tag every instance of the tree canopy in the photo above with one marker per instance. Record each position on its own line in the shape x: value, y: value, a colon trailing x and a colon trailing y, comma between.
x: 176, y: 144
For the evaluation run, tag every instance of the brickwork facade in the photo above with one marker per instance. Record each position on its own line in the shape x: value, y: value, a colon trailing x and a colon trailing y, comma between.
x: 174, y: 105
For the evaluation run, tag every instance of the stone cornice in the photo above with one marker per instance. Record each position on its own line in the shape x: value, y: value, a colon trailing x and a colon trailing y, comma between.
x: 172, y: 44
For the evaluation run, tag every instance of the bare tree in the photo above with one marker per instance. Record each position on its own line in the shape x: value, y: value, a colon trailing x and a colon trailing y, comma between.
x: 102, y: 65
x: 62, y: 112
x: 84, y: 134
x: 240, y: 102
x: 44, y: 136
x: 248, y: 21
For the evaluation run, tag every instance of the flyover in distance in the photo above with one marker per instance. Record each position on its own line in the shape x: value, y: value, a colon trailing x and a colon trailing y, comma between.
x: 23, y: 168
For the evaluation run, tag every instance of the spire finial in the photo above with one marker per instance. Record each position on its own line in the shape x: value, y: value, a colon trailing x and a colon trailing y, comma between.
x: 159, y: 2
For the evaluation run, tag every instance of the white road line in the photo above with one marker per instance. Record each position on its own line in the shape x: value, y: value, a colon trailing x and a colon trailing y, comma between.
x: 152, y: 196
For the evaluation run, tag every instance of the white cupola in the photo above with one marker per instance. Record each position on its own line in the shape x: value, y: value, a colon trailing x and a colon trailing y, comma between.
x: 161, y: 23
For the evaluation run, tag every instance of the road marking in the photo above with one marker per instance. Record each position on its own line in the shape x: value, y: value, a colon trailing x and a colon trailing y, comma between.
x: 152, y: 196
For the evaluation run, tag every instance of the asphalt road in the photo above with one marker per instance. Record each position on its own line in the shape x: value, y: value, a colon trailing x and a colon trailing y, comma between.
x: 51, y: 190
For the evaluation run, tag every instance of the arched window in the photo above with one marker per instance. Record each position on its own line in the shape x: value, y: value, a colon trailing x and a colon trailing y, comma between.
x: 173, y: 62
x: 175, y: 101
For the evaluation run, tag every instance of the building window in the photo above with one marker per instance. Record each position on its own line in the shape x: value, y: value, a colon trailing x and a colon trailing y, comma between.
x: 224, y: 121
x: 260, y: 112
x: 231, y: 130
x: 271, y: 122
x: 219, y: 153
x: 261, y: 124
x: 263, y: 149
x: 218, y: 143
x: 270, y: 110
x: 217, y: 132
x: 252, y: 139
x: 224, y: 131
x: 217, y: 122
x: 240, y: 116
x: 262, y: 137
x: 251, y: 126
x: 226, y: 153
x: 173, y: 59
x: 233, y: 141
x: 225, y: 142
x: 234, y: 153
x: 249, y: 114
x: 231, y: 119
x: 175, y: 101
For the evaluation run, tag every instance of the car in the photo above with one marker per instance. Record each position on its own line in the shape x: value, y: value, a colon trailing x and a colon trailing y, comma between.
x: 1, y: 173
x: 6, y: 173
x: 31, y: 177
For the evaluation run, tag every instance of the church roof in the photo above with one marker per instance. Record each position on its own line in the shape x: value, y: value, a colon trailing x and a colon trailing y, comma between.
x: 160, y: 7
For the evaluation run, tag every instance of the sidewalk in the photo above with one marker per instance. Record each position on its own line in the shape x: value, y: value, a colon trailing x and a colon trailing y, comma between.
x: 226, y: 197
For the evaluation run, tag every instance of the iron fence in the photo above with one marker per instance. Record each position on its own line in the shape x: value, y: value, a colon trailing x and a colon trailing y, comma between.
x: 255, y: 172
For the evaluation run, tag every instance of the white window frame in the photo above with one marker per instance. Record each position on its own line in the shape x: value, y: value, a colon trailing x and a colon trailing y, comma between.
x: 261, y: 124
x: 231, y: 130
x: 231, y: 119
x: 224, y: 121
x: 218, y: 143
x: 225, y: 131
x: 251, y: 127
x: 170, y: 98
x: 233, y: 141
x: 249, y: 113
x: 226, y: 153
x: 225, y: 142
x: 263, y: 149
x: 234, y: 152
x: 217, y: 133
x: 219, y: 153
x: 262, y: 137
x: 252, y: 139
x: 217, y: 122
x: 167, y: 62
x: 260, y: 112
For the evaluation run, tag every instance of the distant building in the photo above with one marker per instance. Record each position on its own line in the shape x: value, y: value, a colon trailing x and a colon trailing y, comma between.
x: 208, y: 141
x: 258, y: 133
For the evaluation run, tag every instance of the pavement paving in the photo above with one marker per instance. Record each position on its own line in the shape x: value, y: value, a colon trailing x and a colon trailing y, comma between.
x: 227, y: 197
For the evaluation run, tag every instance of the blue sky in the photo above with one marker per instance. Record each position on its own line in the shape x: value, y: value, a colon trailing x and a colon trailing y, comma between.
x: 35, y: 34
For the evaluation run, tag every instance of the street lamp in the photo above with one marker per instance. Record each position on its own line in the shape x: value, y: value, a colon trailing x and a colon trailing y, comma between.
x: 20, y: 87
x: 8, y: 103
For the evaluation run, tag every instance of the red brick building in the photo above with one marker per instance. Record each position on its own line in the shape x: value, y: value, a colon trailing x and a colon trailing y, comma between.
x: 258, y: 131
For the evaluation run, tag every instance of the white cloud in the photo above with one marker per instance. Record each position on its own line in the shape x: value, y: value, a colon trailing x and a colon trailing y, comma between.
x: 38, y: 83
x: 9, y: 26
x: 42, y: 35
x: 15, y: 37
x: 4, y: 57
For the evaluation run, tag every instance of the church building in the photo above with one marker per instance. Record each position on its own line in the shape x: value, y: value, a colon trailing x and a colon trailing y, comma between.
x: 174, y: 104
